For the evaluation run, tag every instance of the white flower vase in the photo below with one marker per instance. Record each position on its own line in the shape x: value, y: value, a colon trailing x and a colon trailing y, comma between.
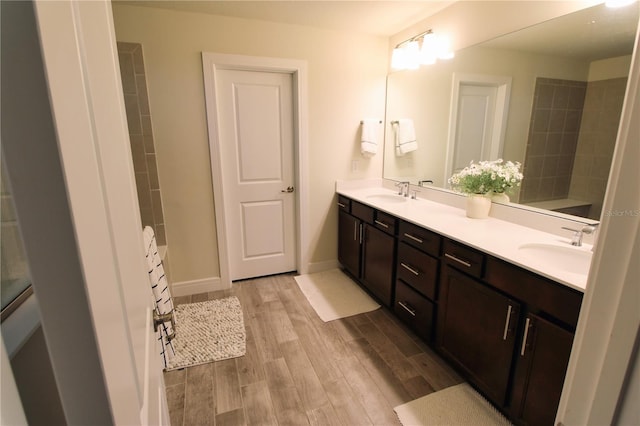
x: 500, y: 197
x: 478, y: 206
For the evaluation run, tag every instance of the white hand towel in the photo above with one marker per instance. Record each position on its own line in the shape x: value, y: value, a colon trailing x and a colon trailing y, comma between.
x: 161, y: 294
x: 369, y: 138
x: 405, y: 137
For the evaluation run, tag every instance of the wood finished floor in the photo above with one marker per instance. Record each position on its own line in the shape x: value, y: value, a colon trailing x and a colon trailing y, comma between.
x: 299, y: 370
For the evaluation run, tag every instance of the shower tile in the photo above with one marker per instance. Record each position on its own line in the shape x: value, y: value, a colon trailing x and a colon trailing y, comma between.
x: 572, y: 121
x: 156, y: 203
x: 149, y: 147
x: 537, y: 143
x: 561, y: 96
x: 544, y: 93
x: 138, y: 60
x: 541, y: 120
x: 137, y: 152
x: 554, y: 144
x: 146, y: 125
x: 133, y: 114
x: 127, y: 74
x: 550, y: 167
x: 153, y: 172
x: 556, y: 120
x: 576, y: 97
x: 143, y: 97
x: 160, y: 235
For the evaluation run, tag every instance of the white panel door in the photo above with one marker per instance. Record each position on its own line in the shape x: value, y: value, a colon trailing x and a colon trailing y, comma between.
x: 87, y: 108
x: 256, y: 147
x: 474, y: 133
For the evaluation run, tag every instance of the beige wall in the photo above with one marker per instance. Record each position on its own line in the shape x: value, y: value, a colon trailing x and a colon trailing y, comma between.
x: 346, y: 83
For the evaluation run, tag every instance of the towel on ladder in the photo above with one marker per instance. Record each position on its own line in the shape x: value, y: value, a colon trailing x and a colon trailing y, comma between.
x: 161, y: 294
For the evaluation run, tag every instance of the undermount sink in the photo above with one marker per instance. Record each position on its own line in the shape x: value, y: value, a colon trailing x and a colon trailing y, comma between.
x: 386, y: 198
x: 568, y: 259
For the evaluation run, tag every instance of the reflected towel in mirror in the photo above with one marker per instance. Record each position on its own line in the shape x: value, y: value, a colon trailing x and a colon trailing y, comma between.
x: 405, y: 136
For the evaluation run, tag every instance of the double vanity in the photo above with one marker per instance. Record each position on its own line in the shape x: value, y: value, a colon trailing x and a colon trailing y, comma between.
x: 498, y: 300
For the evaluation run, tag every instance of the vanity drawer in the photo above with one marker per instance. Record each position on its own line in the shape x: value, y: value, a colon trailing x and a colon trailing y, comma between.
x: 385, y: 222
x: 463, y: 258
x: 417, y: 269
x: 420, y: 238
x: 414, y: 310
x: 362, y: 211
x: 540, y: 294
x: 344, y: 203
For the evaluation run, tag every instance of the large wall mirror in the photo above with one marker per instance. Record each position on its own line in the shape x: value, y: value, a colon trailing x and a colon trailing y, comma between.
x: 551, y: 98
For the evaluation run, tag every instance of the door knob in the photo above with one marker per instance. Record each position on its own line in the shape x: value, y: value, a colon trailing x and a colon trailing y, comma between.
x: 289, y: 189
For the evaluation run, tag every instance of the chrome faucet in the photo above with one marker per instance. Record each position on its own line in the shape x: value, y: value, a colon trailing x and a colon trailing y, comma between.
x: 576, y: 239
x: 404, y: 188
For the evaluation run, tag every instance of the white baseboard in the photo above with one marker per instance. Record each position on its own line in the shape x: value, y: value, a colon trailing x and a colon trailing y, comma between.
x: 204, y: 285
x: 322, y: 266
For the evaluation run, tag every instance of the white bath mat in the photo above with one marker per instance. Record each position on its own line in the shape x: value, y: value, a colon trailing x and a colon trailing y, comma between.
x: 333, y: 295
x: 208, y: 331
x: 455, y: 405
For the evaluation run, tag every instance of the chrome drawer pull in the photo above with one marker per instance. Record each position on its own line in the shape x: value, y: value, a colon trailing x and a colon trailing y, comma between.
x: 416, y: 239
x: 408, y: 309
x: 526, y: 335
x: 506, y: 323
x: 355, y: 230
x: 384, y: 225
x: 342, y: 205
x: 460, y: 261
x: 409, y: 268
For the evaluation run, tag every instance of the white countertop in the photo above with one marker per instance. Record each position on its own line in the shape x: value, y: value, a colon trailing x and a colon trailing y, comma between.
x: 496, y: 237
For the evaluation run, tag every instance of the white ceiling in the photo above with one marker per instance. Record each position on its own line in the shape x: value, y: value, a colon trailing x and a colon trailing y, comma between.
x: 594, y: 33
x: 383, y: 18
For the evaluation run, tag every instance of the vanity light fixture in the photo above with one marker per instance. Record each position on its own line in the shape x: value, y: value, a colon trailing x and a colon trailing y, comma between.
x: 410, y: 54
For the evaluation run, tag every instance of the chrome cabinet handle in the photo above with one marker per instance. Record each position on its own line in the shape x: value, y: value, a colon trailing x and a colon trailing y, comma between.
x: 361, y: 233
x: 416, y: 239
x: 506, y: 323
x: 460, y: 261
x: 527, y: 325
x: 410, y: 269
x: 288, y: 190
x: 384, y: 225
x: 342, y: 205
x: 412, y: 312
x: 355, y: 230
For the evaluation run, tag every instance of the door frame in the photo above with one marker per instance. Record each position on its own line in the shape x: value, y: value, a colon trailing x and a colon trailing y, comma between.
x: 503, y: 84
x: 211, y: 64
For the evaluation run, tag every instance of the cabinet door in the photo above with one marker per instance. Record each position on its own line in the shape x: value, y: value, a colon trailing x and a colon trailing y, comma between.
x: 542, y: 363
x: 377, y: 263
x: 476, y: 331
x: 349, y: 236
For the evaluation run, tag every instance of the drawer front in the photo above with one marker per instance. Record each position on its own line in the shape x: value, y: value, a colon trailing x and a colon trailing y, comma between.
x: 414, y: 310
x: 418, y: 237
x: 344, y: 203
x: 417, y: 269
x: 385, y: 222
x: 463, y: 258
x: 362, y: 211
x: 538, y: 293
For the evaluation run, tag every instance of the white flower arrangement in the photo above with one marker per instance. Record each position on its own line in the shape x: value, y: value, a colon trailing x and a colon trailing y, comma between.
x: 484, y: 177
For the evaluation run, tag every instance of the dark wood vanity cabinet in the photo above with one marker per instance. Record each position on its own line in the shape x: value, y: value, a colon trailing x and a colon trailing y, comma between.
x: 366, y: 247
x: 477, y: 325
x: 417, y: 268
x: 508, y: 330
x: 349, y: 241
x: 542, y: 360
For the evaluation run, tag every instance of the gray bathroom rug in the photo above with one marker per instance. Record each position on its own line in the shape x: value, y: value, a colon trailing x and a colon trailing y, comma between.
x: 208, y: 331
